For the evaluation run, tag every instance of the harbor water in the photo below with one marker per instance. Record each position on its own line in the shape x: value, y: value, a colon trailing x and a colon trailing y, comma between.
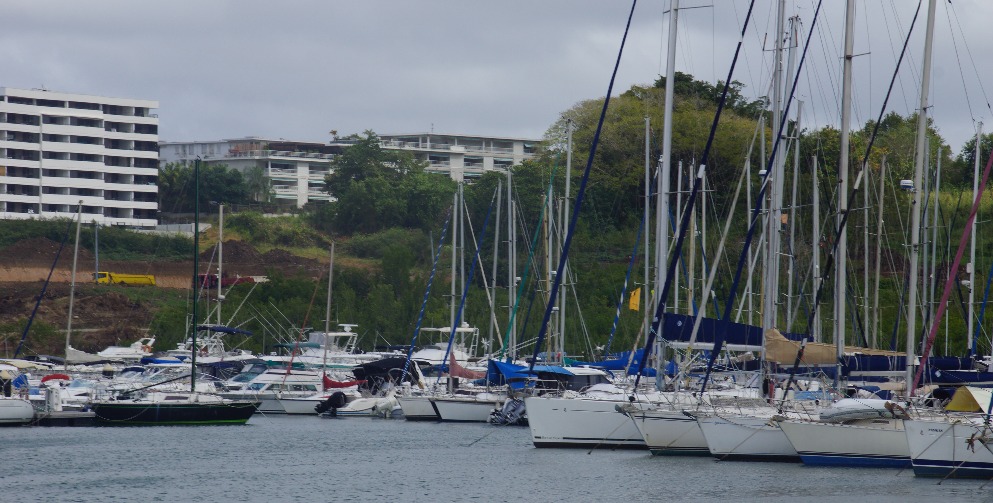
x: 359, y: 459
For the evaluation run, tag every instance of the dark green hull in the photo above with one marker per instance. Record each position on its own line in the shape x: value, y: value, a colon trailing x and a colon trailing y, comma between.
x: 125, y: 413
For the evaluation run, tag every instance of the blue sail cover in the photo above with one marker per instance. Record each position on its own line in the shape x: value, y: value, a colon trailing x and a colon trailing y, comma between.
x: 501, y: 373
x: 617, y: 361
x: 679, y: 328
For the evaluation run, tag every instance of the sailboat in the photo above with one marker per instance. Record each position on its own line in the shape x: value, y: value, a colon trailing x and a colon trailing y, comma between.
x: 146, y: 406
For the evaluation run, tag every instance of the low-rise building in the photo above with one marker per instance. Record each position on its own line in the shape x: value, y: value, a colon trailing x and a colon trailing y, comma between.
x: 295, y: 168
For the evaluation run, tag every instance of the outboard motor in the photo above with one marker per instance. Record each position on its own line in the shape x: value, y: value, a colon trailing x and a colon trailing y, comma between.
x: 334, y: 402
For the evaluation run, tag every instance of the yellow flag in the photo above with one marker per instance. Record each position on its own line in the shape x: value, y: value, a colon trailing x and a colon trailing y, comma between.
x: 634, y: 303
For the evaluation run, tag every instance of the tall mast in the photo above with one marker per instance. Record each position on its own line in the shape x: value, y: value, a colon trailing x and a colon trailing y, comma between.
x: 327, y: 310
x: 220, y: 255
x: 915, y: 220
x: 972, y: 241
x: 934, y: 234
x: 496, y: 255
x: 815, y: 256
x: 511, y: 265
x: 72, y: 284
x: 648, y: 201
x: 793, y: 212
x: 841, y: 270
x: 775, y: 196
x: 196, y: 272
x: 879, y: 255
x: 455, y: 241
x: 662, y: 208
x: 564, y: 219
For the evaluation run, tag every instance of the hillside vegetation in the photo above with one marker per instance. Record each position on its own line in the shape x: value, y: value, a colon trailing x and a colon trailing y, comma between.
x: 389, y: 215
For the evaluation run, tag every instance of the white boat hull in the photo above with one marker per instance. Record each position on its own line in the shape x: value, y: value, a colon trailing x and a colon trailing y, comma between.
x: 464, y: 410
x: 952, y: 450
x: 15, y: 411
x: 418, y: 408
x: 746, y: 437
x: 878, y: 443
x: 583, y: 423
x: 670, y: 432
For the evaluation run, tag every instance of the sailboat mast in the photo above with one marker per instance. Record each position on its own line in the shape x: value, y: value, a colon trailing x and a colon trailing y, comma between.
x: 841, y: 271
x: 511, y: 266
x: 646, y: 321
x: 455, y: 241
x: 196, y: 272
x: 327, y: 309
x: 72, y: 284
x: 662, y: 208
x: 220, y: 259
x: 796, y: 181
x: 915, y: 219
x: 563, y: 220
x: 772, y: 222
x: 879, y: 255
x: 815, y: 256
x: 972, y: 241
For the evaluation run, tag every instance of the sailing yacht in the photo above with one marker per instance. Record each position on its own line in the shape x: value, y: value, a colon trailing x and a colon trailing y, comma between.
x: 149, y: 406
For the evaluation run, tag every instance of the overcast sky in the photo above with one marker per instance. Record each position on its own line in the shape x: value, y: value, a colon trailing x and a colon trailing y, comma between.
x: 299, y: 69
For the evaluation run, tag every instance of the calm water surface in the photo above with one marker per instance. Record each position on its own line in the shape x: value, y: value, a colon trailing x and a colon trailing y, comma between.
x: 357, y: 459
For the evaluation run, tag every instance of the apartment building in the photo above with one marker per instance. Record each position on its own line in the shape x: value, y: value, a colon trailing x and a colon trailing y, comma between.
x: 461, y: 156
x: 296, y: 168
x: 58, y: 150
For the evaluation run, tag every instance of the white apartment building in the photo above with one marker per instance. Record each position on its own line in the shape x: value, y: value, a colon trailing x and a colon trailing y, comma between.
x: 296, y: 169
x: 461, y: 156
x: 60, y: 149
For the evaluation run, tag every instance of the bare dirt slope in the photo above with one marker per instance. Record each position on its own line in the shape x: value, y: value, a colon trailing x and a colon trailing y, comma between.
x: 104, y: 316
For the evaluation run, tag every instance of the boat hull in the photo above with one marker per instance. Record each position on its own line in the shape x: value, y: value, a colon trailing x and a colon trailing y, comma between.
x: 752, y: 438
x: 418, y: 408
x: 580, y: 423
x: 670, y: 432
x: 464, y: 410
x: 125, y: 413
x: 879, y: 443
x: 950, y: 450
x: 15, y: 411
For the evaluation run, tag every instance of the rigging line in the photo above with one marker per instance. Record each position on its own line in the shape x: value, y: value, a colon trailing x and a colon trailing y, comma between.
x: 865, y: 162
x: 427, y: 293
x: 532, y: 247
x: 958, y: 61
x: 468, y: 284
x: 684, y: 225
x: 982, y: 310
x: 968, y: 51
x: 627, y: 277
x: 543, y: 329
x: 27, y: 327
x: 303, y: 327
x: 721, y: 333
x: 966, y: 232
x: 482, y: 270
x: 889, y: 38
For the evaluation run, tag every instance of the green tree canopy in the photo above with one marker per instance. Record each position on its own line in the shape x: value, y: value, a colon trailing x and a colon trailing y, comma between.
x: 377, y: 189
x: 218, y: 184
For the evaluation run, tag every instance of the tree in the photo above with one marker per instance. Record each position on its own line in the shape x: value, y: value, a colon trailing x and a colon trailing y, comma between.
x: 376, y: 189
x: 217, y: 184
x: 258, y: 185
